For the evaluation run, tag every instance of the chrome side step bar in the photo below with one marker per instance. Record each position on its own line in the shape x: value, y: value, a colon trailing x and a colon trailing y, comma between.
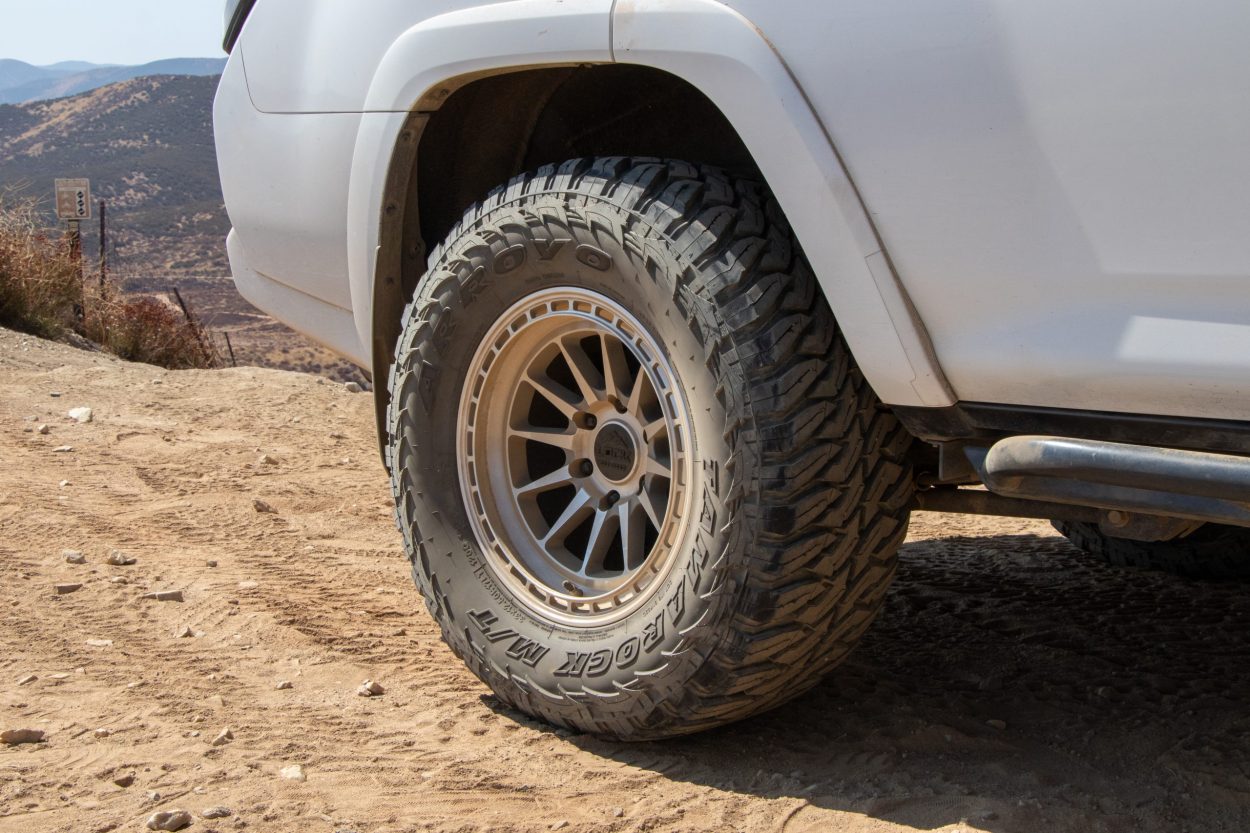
x: 1194, y: 485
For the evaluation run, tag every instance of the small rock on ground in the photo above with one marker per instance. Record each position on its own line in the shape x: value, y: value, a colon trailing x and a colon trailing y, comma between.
x: 169, y: 820
x: 217, y: 813
x: 27, y: 680
x: 66, y: 589
x: 127, y: 780
x: 100, y: 643
x: 63, y: 449
x: 74, y: 557
x: 284, y: 685
x: 164, y: 596
x: 223, y: 737
x: 81, y: 415
x: 43, y: 429
x: 249, y: 585
x: 262, y: 507
x: 293, y: 773
x: 13, y: 737
x: 267, y: 460
x: 370, y: 689
x: 117, y: 558
x: 353, y: 387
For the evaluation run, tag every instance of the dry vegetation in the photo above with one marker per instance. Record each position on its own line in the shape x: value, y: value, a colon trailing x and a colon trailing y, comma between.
x: 42, y: 292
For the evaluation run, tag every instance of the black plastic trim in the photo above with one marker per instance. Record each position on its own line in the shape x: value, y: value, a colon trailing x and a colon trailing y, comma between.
x: 980, y: 421
x: 235, y: 27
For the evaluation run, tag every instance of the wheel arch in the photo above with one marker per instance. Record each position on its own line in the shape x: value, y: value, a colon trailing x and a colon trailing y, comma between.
x: 671, y: 64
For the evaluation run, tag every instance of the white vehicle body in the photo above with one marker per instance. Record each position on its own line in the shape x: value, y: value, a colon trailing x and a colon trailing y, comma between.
x: 1024, y: 204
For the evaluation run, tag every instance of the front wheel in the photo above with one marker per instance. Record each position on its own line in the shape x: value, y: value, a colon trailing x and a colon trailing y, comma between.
x: 644, y: 489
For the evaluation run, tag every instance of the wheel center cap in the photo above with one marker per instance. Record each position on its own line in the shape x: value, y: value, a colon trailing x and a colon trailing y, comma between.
x: 615, y: 452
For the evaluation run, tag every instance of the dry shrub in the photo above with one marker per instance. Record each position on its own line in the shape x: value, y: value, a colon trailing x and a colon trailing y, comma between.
x: 41, y: 293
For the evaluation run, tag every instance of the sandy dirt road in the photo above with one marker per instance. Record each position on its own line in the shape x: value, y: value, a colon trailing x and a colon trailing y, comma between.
x: 1123, y: 697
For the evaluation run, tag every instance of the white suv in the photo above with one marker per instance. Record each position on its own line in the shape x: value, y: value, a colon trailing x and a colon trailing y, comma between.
x: 677, y: 308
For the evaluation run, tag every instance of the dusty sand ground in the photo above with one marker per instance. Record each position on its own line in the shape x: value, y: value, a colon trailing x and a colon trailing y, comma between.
x: 1124, y: 695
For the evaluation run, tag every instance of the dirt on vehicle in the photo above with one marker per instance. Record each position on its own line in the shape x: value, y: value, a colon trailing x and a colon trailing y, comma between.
x: 1010, y: 685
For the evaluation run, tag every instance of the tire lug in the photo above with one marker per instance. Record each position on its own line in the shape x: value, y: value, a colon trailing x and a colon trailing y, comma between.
x: 589, y: 421
x: 610, y: 500
x: 583, y: 468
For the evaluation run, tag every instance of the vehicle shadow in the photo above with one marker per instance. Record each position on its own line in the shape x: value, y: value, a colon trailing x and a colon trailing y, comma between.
x: 1013, y: 685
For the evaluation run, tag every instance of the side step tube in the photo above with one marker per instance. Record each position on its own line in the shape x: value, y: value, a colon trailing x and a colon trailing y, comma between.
x: 1196, y: 485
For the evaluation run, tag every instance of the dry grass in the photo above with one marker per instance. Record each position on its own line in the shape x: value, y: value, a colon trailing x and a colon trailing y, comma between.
x: 42, y: 293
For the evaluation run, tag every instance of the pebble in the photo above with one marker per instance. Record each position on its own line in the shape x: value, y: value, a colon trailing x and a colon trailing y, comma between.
x: 184, y: 633
x: 293, y: 773
x: 55, y: 394
x: 43, y: 429
x: 13, y: 737
x: 63, y: 449
x: 66, y: 589
x: 119, y: 580
x: 249, y: 585
x: 74, y: 557
x: 267, y: 460
x: 126, y: 780
x: 27, y: 680
x: 217, y: 813
x: 262, y: 507
x: 100, y: 643
x: 353, y: 387
x: 560, y: 825
x: 284, y: 685
x: 223, y: 737
x: 164, y: 596
x: 210, y: 563
x: 153, y: 795
x: 103, y: 733
x: 338, y: 436
x: 370, y: 689
x: 81, y: 415
x: 997, y: 724
x: 117, y: 558
x: 618, y: 812
x: 169, y: 820
x: 65, y: 483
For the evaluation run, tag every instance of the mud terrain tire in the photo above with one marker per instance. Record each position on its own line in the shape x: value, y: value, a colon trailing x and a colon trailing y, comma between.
x: 1212, y: 552
x: 799, y: 484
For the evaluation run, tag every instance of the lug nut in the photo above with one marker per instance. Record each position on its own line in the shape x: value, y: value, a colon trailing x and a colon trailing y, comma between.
x: 611, y: 499
x: 589, y: 421
x: 584, y: 468
x: 572, y: 589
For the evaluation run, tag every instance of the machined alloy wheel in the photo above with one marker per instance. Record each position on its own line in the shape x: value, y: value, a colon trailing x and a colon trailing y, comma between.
x: 643, y: 486
x: 573, y: 455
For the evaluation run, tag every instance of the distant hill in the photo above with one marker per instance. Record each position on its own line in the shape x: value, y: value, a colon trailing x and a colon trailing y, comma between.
x: 21, y: 82
x: 147, y: 146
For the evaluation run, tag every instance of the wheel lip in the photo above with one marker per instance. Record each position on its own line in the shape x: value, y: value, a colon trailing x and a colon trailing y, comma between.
x: 549, y: 603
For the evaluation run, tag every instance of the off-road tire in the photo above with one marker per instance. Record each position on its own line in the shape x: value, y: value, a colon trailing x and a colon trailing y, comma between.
x: 1213, y: 552
x: 802, y: 484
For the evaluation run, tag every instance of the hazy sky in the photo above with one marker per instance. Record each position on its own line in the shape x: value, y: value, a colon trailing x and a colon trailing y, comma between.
x: 110, y: 31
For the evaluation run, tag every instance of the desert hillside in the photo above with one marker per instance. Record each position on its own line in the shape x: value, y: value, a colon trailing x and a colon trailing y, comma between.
x: 1009, y: 686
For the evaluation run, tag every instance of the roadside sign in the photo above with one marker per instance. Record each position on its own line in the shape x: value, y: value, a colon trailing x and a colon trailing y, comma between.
x: 73, y: 199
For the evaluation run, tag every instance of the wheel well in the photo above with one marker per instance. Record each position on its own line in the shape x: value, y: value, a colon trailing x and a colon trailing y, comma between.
x: 473, y: 137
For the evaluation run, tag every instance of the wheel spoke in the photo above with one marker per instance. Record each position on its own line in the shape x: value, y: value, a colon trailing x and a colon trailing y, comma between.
x: 559, y: 477
x: 558, y: 439
x: 657, y: 469
x: 641, y: 382
x: 547, y: 390
x: 583, y: 371
x: 615, y: 370
x: 598, y: 543
x: 654, y: 429
x: 629, y: 516
x: 648, y: 505
x: 576, y: 509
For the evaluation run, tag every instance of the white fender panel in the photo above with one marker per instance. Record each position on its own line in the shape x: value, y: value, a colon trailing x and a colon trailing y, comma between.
x: 729, y: 60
